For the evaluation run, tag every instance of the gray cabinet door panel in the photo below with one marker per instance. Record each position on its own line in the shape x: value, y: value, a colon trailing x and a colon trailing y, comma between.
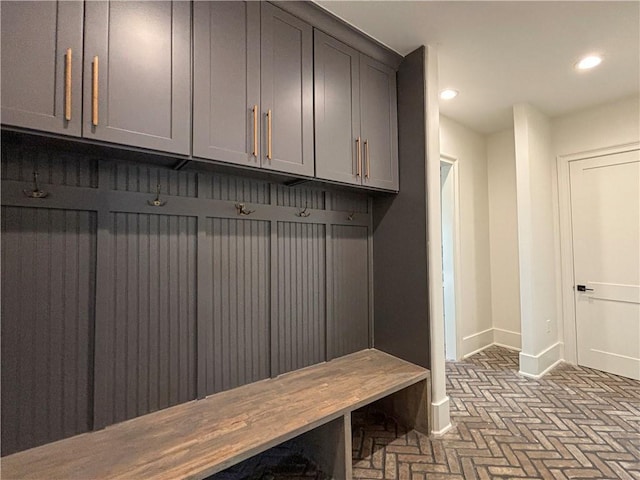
x: 144, y: 75
x: 379, y: 124
x: 35, y: 39
x: 337, y: 109
x: 226, y: 82
x: 287, y: 91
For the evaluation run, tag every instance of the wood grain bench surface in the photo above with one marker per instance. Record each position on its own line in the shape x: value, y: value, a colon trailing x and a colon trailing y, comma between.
x: 202, y: 437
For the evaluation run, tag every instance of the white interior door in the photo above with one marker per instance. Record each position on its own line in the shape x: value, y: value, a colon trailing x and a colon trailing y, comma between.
x: 605, y: 214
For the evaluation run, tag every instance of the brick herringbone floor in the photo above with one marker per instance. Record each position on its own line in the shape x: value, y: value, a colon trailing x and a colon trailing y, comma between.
x: 573, y: 423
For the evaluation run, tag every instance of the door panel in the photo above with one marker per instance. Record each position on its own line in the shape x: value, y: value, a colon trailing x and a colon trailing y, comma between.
x: 605, y: 209
x: 379, y: 124
x: 226, y: 81
x: 287, y: 91
x: 35, y: 39
x: 143, y: 51
x: 337, y: 109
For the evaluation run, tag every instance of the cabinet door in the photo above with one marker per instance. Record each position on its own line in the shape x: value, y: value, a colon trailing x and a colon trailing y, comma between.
x: 337, y: 109
x: 226, y: 81
x: 41, y: 83
x: 286, y: 92
x: 143, y: 74
x: 379, y: 124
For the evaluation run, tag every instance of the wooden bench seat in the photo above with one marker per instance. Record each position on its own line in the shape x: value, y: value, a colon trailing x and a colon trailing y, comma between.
x: 202, y: 437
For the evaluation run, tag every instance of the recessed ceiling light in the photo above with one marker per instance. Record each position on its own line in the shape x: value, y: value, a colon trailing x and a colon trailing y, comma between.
x: 448, y: 94
x: 588, y: 62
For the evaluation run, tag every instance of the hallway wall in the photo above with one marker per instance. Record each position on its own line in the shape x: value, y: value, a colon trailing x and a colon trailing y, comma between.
x: 475, y: 317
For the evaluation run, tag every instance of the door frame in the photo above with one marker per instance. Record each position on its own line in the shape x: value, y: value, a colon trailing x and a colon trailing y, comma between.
x: 569, y: 330
x: 453, y: 161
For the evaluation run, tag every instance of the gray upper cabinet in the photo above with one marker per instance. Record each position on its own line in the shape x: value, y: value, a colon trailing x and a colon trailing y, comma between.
x: 337, y: 110
x: 137, y: 74
x: 253, y: 86
x: 286, y: 92
x: 42, y: 65
x: 355, y: 116
x: 226, y: 81
x: 379, y: 126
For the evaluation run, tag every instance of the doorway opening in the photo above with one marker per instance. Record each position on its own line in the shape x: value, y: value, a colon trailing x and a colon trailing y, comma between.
x: 450, y: 254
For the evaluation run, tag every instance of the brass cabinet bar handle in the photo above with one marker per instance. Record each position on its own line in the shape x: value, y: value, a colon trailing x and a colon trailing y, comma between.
x: 94, y: 93
x: 67, y: 85
x: 366, y: 157
x: 255, y: 130
x: 358, y: 158
x: 269, y: 156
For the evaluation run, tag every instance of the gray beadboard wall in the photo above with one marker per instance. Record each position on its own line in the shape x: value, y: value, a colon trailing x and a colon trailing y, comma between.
x: 113, y: 308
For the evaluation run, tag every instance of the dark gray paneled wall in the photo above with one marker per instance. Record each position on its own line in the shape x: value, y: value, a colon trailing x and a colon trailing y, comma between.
x: 113, y: 308
x: 300, y: 313
x: 48, y: 290
x: 237, y: 337
x: 350, y: 308
x: 149, y: 340
x: 400, y: 231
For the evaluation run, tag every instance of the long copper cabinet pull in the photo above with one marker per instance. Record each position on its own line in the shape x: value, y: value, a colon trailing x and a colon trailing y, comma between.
x: 67, y: 85
x: 255, y: 130
x: 358, y: 158
x: 269, y: 153
x: 366, y: 157
x: 94, y: 92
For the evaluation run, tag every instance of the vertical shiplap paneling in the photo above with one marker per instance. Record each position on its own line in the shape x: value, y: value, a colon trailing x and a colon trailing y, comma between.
x: 299, y: 197
x: 48, y: 271
x: 238, y: 333
x: 152, y: 334
x: 234, y: 189
x: 349, y: 328
x: 300, y: 319
x: 137, y: 177
x: 348, y: 202
x: 54, y: 167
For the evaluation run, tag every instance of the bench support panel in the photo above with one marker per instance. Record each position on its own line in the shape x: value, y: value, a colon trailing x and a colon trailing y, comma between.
x: 329, y: 445
x: 410, y: 406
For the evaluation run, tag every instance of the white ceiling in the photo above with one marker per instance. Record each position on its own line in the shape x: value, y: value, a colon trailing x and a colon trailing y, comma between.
x: 501, y: 53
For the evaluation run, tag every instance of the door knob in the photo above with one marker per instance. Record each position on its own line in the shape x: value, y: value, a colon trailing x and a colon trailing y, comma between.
x: 583, y: 288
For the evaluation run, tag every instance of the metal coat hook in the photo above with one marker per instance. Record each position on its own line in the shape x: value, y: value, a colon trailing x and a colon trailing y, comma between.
x: 303, y: 213
x: 36, y: 192
x: 243, y: 210
x: 351, y: 216
x: 157, y: 202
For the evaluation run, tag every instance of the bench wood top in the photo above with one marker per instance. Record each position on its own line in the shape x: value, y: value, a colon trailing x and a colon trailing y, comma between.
x: 202, y: 437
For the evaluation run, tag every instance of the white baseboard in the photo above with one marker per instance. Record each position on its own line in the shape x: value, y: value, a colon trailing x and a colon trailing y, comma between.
x: 441, y: 417
x: 477, y: 342
x: 507, y: 339
x: 492, y: 336
x: 535, y: 366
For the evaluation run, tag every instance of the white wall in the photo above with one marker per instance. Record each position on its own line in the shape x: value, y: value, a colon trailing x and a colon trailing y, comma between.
x: 613, y: 124
x: 538, y: 240
x: 469, y: 148
x: 503, y: 227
